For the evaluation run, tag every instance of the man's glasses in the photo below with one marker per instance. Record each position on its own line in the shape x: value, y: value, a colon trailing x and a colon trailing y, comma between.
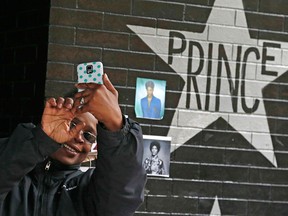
x: 88, y: 136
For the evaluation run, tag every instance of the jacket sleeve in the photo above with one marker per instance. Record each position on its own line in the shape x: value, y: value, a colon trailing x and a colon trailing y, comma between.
x: 19, y: 154
x: 118, y: 181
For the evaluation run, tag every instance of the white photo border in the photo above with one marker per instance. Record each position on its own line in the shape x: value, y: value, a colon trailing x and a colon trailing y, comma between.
x: 164, y: 153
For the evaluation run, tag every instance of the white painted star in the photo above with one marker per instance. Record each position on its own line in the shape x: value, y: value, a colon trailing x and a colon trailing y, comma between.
x: 215, y: 211
x: 227, y: 27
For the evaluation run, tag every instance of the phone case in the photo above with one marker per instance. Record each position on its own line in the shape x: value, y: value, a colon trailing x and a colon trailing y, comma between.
x: 90, y: 72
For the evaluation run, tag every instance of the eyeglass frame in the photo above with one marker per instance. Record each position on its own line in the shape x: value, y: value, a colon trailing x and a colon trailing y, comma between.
x: 73, y: 124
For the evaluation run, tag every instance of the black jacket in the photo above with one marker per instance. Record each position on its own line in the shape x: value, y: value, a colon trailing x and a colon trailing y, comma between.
x: 33, y: 184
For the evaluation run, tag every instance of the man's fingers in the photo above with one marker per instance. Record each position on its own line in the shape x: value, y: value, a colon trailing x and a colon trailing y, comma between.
x: 109, y: 85
x: 82, y: 94
x: 81, y: 108
x: 51, y: 102
x: 68, y: 103
x: 60, y: 102
x: 79, y: 105
x: 81, y: 85
x: 86, y: 86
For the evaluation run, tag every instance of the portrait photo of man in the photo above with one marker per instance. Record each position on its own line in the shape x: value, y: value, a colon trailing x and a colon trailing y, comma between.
x: 150, y: 98
x: 156, y: 158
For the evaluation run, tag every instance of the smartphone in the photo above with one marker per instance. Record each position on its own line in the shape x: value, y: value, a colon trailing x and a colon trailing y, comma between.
x: 90, y: 72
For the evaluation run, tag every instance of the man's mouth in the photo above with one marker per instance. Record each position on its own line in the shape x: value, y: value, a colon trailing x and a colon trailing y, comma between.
x: 70, y: 149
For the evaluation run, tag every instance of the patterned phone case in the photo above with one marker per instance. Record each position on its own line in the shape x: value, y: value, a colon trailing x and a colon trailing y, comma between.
x: 90, y: 72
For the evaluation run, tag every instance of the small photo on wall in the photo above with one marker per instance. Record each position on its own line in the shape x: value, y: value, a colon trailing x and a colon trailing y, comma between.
x: 150, y: 98
x: 156, y: 158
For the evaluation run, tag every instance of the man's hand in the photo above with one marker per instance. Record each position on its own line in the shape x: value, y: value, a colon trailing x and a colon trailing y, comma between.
x: 56, y: 119
x: 101, y: 101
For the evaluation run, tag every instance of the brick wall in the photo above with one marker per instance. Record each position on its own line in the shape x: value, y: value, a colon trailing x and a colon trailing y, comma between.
x: 23, y: 58
x: 224, y: 160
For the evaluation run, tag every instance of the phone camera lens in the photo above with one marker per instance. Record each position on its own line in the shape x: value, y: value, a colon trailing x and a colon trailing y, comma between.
x: 89, y: 69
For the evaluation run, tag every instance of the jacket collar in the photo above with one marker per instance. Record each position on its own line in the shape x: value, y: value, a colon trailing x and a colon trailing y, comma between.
x: 53, y: 165
x: 56, y: 165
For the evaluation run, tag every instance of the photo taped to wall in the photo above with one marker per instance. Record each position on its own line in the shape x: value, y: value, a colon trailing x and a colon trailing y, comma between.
x: 150, y: 98
x: 156, y: 157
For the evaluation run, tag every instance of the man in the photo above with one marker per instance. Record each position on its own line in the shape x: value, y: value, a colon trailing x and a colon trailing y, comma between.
x: 153, y: 164
x: 39, y: 165
x: 151, y: 105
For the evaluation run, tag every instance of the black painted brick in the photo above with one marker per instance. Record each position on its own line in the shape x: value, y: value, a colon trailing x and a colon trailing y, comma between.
x: 286, y: 24
x: 233, y: 207
x: 124, y: 59
x: 69, y: 17
x: 72, y: 54
x: 181, y: 26
x: 251, y: 5
x: 197, y: 14
x: 150, y: 214
x: 126, y: 96
x: 64, y: 3
x: 197, y: 2
x: 279, y: 193
x: 158, y: 9
x: 117, y: 76
x: 57, y: 88
x: 246, y: 191
x: 282, y: 159
x: 136, y: 44
x: 199, y: 154
x: 184, y: 171
x: 111, y: 6
x: 102, y: 39
x: 58, y: 71
x: 172, y: 99
x: 62, y: 35
x: 223, y: 173
x: 117, y: 23
x: 273, y: 36
x: 267, y: 209
x: 245, y: 157
x: 170, y: 204
x: 275, y: 6
x: 268, y: 176
x: 265, y: 21
x: 156, y: 186
x: 228, y: 207
x: 196, y: 188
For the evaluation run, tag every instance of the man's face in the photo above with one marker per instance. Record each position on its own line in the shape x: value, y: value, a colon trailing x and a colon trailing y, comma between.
x: 150, y: 91
x: 76, y: 150
x: 154, y: 150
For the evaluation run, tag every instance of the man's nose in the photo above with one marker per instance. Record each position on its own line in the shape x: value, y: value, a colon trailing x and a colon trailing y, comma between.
x: 79, y: 137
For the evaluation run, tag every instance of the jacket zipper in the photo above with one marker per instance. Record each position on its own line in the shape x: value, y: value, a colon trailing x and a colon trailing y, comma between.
x: 41, y: 191
x: 46, y: 181
x: 48, y: 164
